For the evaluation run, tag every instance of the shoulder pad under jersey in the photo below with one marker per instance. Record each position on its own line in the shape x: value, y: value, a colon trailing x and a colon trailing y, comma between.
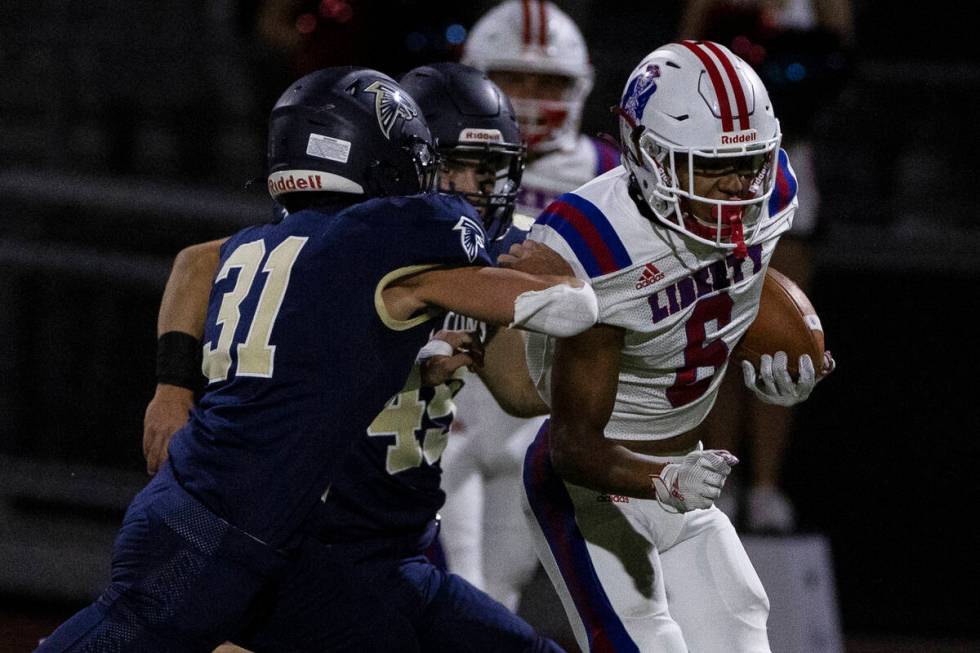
x: 579, y: 230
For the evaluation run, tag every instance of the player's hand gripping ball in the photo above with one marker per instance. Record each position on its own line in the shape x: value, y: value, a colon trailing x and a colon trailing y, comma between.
x: 781, y: 349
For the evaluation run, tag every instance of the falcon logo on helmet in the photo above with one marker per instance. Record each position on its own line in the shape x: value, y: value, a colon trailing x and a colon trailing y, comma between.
x: 470, y: 236
x: 350, y: 130
x: 390, y: 104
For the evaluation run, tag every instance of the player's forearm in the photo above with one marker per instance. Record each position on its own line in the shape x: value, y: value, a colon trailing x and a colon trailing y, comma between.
x: 517, y: 399
x: 602, y: 466
x: 585, y: 380
x: 506, y: 376
x: 185, y: 297
x: 555, y: 305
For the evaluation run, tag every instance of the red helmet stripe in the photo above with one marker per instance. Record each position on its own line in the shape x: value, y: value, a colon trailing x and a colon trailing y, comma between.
x: 543, y: 22
x: 736, y: 81
x: 727, y: 122
x: 526, y: 6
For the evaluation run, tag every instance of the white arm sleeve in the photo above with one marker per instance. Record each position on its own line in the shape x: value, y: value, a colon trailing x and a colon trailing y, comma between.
x: 559, y: 311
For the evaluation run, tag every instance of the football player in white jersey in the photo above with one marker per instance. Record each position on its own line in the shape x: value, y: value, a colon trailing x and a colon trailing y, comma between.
x: 538, y: 57
x: 619, y: 492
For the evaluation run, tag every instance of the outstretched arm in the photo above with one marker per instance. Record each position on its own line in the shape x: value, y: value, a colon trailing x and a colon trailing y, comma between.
x: 180, y: 326
x: 556, y: 305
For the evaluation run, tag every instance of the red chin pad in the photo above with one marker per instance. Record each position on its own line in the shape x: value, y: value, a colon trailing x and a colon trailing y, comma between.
x: 732, y: 216
x: 731, y: 226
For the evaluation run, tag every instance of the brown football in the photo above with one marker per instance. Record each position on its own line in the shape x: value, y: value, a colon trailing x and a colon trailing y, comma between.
x: 786, y: 322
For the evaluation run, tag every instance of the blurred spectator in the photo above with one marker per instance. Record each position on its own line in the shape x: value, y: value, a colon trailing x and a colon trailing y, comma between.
x: 379, y: 34
x: 294, y: 37
x: 313, y: 34
x: 800, y: 49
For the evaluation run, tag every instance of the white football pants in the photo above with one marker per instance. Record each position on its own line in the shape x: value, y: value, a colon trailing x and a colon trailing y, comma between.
x: 633, y: 576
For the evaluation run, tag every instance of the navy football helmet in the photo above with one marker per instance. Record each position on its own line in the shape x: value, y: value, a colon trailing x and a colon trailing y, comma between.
x: 476, y: 135
x: 349, y: 130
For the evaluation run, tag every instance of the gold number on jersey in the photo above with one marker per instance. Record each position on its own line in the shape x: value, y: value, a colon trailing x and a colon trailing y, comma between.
x: 402, y: 418
x: 255, y: 356
x: 436, y: 439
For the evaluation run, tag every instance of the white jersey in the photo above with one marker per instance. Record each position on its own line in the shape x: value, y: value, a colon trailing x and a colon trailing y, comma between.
x: 684, y: 306
x: 546, y: 178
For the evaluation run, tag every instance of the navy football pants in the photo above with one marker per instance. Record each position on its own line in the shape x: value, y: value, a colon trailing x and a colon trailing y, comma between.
x: 185, y: 581
x: 385, y: 597
x: 182, y: 580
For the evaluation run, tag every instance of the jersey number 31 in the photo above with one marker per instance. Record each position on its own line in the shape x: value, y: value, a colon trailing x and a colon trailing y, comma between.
x: 255, y: 356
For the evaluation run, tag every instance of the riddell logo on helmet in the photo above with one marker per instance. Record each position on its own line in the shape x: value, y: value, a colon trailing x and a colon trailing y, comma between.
x: 289, y: 183
x: 741, y: 137
x: 480, y: 135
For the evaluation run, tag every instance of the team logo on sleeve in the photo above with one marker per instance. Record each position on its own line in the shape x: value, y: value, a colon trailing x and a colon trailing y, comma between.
x: 639, y: 91
x: 470, y: 236
x: 390, y: 104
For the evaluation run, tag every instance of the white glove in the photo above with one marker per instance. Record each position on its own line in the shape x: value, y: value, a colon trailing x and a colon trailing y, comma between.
x: 774, y: 385
x: 694, y: 482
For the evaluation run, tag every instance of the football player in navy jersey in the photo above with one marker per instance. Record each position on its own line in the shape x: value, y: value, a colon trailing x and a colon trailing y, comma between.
x: 482, y: 157
x: 379, y: 514
x: 312, y: 325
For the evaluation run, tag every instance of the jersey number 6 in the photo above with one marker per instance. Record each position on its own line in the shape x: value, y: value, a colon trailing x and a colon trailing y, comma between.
x: 701, y: 354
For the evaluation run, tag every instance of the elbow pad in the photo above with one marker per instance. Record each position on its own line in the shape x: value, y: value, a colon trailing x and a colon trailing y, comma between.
x: 559, y: 311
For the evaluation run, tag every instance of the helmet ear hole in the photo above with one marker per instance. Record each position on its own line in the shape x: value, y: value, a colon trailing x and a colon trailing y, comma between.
x: 635, y: 135
x: 385, y: 179
x: 381, y: 177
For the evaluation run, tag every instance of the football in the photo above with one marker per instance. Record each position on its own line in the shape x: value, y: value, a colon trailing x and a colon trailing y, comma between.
x: 786, y: 322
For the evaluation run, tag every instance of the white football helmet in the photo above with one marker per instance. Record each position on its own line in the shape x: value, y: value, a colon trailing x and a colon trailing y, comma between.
x: 696, y: 106
x: 535, y: 36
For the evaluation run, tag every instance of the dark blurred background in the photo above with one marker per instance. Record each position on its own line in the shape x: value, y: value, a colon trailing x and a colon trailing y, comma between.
x: 129, y: 129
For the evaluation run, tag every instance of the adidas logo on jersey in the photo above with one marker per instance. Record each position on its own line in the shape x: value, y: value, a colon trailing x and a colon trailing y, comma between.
x: 650, y: 276
x: 611, y: 498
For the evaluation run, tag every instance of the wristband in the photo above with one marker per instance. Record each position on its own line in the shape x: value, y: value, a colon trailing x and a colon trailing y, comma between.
x: 179, y: 357
x: 434, y: 347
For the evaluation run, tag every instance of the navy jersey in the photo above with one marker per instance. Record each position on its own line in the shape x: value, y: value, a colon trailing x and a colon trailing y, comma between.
x: 390, y: 483
x: 301, y: 355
